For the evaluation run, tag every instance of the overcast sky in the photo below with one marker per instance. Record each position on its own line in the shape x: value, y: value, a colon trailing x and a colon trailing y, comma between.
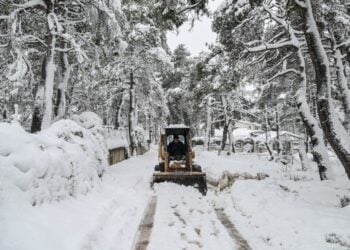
x: 196, y: 38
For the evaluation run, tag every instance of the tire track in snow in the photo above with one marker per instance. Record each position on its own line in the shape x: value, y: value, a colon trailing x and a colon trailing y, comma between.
x: 186, y: 220
x: 146, y: 225
x: 232, y: 230
x: 127, y: 187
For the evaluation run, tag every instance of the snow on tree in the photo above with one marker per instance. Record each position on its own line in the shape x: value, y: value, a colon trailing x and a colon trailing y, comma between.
x: 289, y: 31
x: 333, y: 129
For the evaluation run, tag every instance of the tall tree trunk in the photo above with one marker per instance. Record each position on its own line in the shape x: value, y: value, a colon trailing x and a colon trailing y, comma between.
x: 49, y: 76
x: 227, y: 122
x: 278, y: 133
x: 319, y: 149
x: 343, y: 85
x: 4, y: 114
x: 208, y: 125
x: 39, y: 101
x: 267, y: 143
x: 130, y: 115
x: 333, y: 130
x: 149, y: 127
x: 230, y: 146
x: 42, y: 112
x: 60, y: 107
x: 313, y: 130
x: 70, y: 94
x: 303, y: 156
x: 224, y: 135
x: 117, y: 112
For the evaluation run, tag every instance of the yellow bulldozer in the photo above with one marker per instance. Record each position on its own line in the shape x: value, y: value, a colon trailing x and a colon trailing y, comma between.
x: 176, y: 160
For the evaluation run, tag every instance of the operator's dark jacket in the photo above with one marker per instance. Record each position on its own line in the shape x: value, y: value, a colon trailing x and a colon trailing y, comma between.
x: 176, y: 148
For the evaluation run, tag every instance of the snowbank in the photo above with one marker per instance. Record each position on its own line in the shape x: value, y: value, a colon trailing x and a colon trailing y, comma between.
x: 242, y: 163
x: 288, y: 208
x: 64, y: 160
x: 288, y: 214
x: 106, y: 217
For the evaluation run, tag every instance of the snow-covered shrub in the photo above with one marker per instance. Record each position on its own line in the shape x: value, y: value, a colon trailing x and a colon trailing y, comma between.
x: 93, y: 123
x: 116, y: 137
x: 337, y: 239
x: 64, y: 160
x: 140, y: 136
x: 344, y: 201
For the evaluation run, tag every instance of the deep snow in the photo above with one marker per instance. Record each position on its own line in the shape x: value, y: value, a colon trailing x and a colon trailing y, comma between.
x: 290, y: 209
x: 106, y: 218
x: 65, y: 160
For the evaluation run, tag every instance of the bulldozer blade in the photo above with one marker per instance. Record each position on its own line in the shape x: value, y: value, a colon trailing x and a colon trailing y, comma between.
x: 195, y: 179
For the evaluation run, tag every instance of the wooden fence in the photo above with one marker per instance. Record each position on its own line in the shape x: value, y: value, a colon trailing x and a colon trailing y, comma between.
x: 121, y: 153
x: 117, y: 155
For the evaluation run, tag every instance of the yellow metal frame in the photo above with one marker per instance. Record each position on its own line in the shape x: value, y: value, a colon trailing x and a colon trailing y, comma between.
x: 164, y: 156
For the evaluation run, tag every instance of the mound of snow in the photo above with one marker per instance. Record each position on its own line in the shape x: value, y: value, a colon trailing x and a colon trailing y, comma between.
x: 93, y: 123
x: 288, y: 214
x: 116, y: 138
x: 65, y: 160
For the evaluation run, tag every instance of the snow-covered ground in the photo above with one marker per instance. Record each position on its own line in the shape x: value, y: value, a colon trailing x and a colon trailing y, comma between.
x: 106, y: 218
x: 186, y: 220
x: 289, y: 209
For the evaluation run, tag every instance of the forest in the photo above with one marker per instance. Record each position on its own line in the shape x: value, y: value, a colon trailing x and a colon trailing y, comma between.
x: 111, y: 57
x: 71, y: 70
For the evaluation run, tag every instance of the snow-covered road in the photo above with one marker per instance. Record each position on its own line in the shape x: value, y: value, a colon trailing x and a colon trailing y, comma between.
x: 109, y: 216
x: 284, y: 211
x: 186, y: 220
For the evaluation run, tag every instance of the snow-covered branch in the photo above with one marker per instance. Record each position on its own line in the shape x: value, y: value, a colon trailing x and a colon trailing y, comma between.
x: 281, y: 61
x: 29, y: 37
x: 285, y: 72
x: 31, y: 4
x: 64, y: 50
x: 267, y: 46
x: 260, y: 59
x: 274, y: 57
x: 344, y: 44
x: 279, y: 35
x: 300, y: 3
x: 189, y: 7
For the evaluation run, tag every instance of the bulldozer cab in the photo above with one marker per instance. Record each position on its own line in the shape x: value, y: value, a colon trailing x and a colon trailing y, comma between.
x: 178, y: 168
x: 170, y: 138
x: 176, y: 161
x: 182, y: 134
